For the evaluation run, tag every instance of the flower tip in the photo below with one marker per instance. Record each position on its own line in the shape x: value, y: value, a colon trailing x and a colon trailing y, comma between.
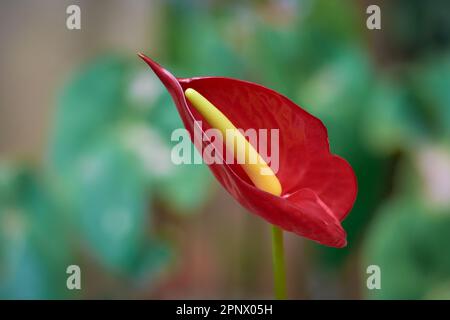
x: 142, y: 56
x: 149, y: 61
x: 169, y: 81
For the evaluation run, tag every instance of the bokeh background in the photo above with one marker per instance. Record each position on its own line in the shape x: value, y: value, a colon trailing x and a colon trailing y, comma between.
x: 85, y: 173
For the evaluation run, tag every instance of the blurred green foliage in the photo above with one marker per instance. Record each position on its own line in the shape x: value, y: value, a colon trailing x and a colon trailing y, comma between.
x: 35, y: 247
x: 95, y: 194
x: 95, y: 190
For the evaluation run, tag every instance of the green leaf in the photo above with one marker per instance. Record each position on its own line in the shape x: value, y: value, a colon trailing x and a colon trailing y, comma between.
x: 34, y: 241
x: 111, y: 203
x: 392, y: 121
x: 164, y: 117
x: 431, y: 81
x: 186, y: 189
x: 90, y: 104
x: 406, y: 242
x: 150, y: 261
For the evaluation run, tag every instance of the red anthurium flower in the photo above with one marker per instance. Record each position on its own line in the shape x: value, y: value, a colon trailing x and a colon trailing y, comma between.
x: 318, y: 188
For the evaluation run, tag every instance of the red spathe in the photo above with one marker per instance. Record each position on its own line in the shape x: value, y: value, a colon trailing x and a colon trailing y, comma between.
x: 319, y: 188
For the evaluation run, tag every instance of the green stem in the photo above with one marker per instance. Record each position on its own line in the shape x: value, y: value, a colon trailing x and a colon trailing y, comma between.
x: 279, y: 272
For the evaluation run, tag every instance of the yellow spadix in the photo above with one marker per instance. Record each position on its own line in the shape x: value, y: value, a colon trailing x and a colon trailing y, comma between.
x: 258, y: 171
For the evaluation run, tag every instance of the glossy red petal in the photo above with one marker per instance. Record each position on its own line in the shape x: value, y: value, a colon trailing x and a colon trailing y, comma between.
x: 319, y: 188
